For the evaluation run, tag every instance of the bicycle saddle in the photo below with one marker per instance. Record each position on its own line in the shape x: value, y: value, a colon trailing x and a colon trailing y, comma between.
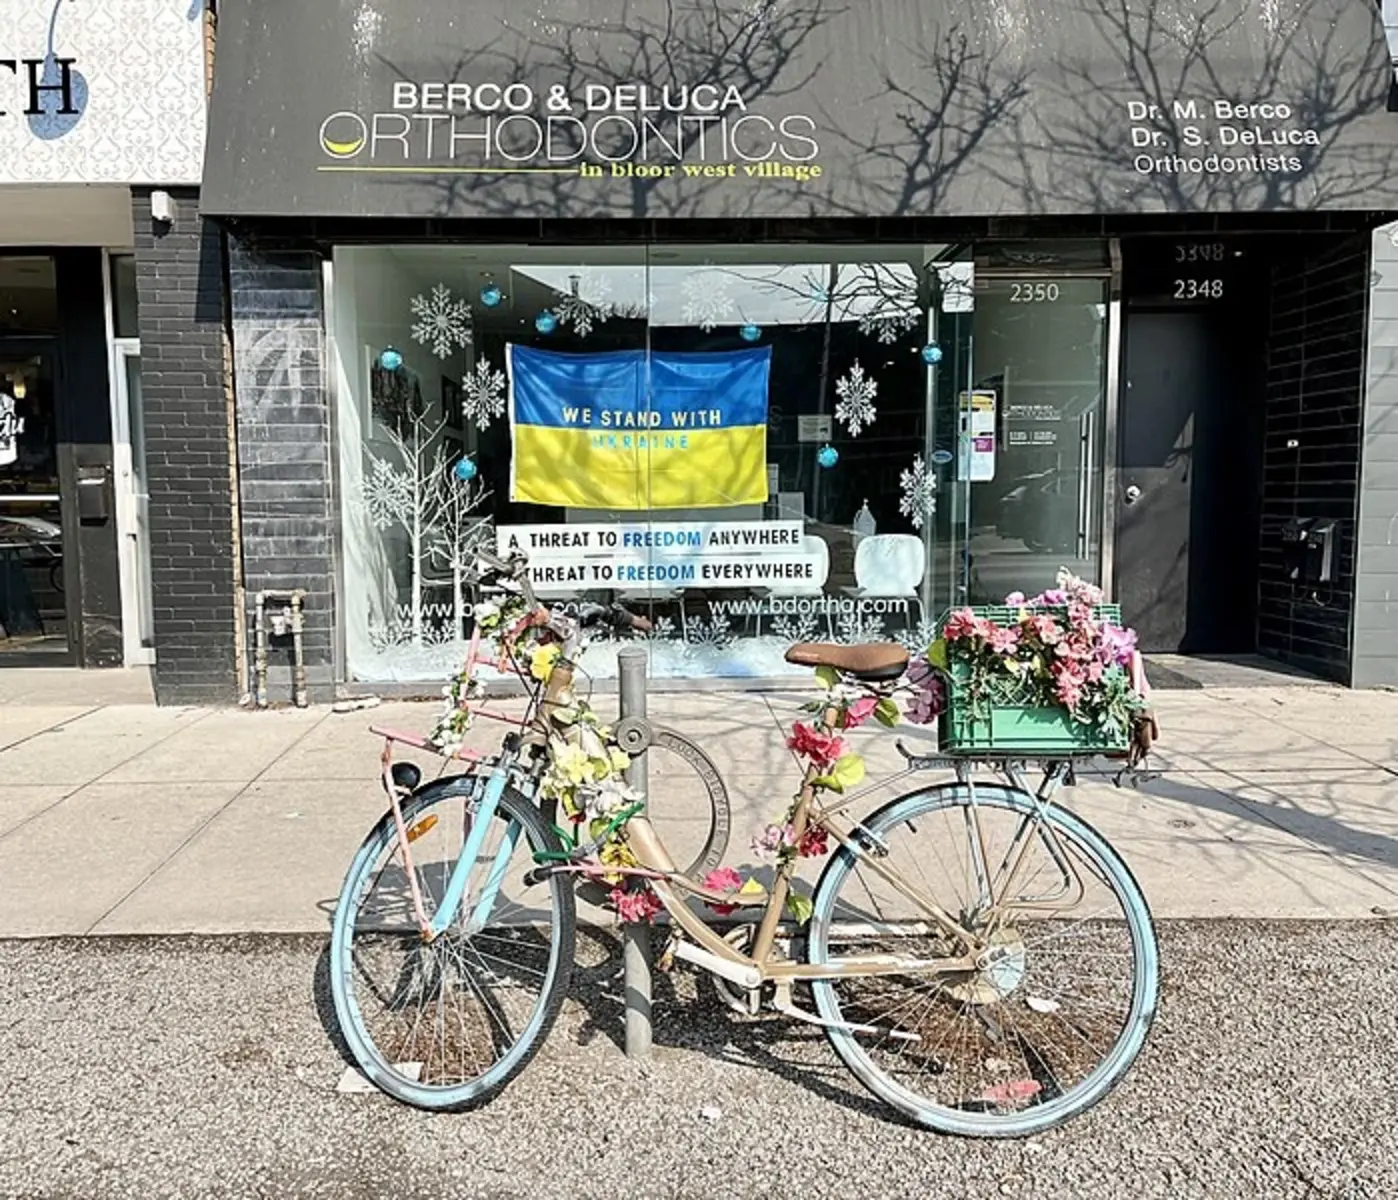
x: 876, y: 662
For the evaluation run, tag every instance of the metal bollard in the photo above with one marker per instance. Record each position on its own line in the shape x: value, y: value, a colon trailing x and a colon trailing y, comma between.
x: 637, y: 950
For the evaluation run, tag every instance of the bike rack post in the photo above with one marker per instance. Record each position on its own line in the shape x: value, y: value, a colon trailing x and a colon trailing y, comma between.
x: 637, y: 950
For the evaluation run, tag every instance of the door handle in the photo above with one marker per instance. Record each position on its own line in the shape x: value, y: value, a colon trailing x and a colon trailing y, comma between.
x: 1133, y: 493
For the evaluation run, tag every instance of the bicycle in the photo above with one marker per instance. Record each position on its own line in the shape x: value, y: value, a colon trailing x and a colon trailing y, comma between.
x: 970, y: 1015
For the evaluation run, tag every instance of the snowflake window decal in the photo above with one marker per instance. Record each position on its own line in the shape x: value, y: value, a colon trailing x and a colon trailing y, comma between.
x: 859, y: 625
x: 714, y: 634
x: 707, y: 301
x: 889, y: 324
x: 855, y: 408
x: 443, y: 323
x: 918, y: 501
x: 800, y: 627
x: 483, y: 394
x: 588, y: 304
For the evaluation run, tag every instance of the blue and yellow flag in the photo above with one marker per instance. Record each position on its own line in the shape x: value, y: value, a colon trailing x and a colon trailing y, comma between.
x: 636, y: 429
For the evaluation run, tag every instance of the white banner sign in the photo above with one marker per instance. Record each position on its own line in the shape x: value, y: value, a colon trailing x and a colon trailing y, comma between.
x: 663, y: 555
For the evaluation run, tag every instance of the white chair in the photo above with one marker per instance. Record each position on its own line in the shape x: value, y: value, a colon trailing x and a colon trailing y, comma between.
x: 813, y: 548
x: 888, y: 566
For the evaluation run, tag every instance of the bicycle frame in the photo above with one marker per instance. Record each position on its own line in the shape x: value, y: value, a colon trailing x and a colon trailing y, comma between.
x: 656, y: 866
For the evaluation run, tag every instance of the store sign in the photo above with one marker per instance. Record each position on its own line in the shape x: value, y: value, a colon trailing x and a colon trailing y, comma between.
x: 106, y: 91
x: 664, y: 555
x: 767, y: 108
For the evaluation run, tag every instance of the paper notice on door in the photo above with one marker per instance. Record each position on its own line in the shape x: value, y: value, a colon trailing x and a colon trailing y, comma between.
x: 978, y: 436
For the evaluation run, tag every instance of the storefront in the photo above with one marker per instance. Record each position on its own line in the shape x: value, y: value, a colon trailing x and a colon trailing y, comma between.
x: 96, y: 100
x: 836, y: 319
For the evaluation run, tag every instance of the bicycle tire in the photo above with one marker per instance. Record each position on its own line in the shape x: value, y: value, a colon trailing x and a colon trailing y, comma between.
x: 371, y: 1061
x: 1145, y: 991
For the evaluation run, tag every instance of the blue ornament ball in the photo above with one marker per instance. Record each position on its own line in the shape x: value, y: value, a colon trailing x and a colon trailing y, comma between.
x: 932, y: 354
x: 465, y: 470
x: 491, y: 295
x: 828, y: 457
x: 390, y: 359
x: 750, y: 332
x: 546, y: 322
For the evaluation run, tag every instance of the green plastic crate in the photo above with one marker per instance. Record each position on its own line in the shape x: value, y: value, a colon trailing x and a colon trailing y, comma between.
x: 1009, y: 725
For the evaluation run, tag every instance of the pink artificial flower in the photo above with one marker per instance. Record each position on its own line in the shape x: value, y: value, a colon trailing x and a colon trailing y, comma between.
x: 963, y: 623
x: 769, y: 842
x: 860, y: 711
x: 1043, y: 627
x: 1118, y: 644
x: 814, y: 842
x: 1068, y: 681
x: 636, y: 906
x: 1004, y: 641
x: 724, y: 879
x: 823, y: 749
x: 1015, y: 599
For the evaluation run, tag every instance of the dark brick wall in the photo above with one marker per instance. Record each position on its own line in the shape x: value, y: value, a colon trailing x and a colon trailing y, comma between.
x: 1315, y: 399
x: 285, y: 486
x: 179, y: 282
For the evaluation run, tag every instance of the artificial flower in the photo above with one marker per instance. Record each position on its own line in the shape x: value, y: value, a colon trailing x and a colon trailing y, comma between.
x: 724, y: 879
x: 821, y: 748
x: 635, y: 904
x: 543, y: 660
x: 814, y: 843
x: 961, y: 624
x: 860, y: 711
x: 769, y: 843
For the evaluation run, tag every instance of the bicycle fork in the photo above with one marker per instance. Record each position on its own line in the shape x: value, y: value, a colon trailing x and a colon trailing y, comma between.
x: 481, y: 807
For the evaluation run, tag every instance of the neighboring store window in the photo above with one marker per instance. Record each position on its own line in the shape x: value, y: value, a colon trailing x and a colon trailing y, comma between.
x: 28, y: 295
x: 123, y: 282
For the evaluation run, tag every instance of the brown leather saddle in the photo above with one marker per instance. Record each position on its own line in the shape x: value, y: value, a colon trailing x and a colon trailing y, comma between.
x: 875, y: 662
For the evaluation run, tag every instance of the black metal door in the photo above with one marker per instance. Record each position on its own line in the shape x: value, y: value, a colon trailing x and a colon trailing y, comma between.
x: 1166, y: 381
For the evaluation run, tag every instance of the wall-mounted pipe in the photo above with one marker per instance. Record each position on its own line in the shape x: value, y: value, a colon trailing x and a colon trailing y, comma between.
x: 278, y: 622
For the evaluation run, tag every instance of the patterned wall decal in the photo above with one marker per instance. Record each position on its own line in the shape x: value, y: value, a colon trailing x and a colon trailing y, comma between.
x: 119, y: 88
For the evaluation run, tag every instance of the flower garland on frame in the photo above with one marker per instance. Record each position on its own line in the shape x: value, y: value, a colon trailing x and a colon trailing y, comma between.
x: 507, y: 621
x: 820, y: 745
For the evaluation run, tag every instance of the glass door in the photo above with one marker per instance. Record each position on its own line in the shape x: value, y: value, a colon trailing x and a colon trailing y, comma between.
x: 33, y: 600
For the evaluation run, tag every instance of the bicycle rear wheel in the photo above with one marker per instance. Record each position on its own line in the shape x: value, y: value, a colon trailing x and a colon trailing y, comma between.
x: 1037, y: 1036
x: 447, y: 1024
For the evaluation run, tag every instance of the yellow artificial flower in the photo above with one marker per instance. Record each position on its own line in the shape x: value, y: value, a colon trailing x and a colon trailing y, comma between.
x: 543, y: 660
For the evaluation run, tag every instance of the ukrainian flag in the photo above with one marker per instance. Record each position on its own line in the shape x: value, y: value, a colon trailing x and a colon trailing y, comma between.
x: 634, y: 429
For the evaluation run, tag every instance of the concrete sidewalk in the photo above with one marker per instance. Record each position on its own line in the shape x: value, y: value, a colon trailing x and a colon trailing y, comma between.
x: 126, y: 818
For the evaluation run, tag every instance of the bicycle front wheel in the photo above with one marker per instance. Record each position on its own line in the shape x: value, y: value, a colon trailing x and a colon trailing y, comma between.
x: 1053, y: 1020
x: 446, y: 1024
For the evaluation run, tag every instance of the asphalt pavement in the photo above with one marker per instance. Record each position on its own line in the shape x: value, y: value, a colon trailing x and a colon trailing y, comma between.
x: 196, y: 1067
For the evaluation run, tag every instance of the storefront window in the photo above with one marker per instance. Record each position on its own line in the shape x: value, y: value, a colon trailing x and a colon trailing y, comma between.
x: 753, y: 444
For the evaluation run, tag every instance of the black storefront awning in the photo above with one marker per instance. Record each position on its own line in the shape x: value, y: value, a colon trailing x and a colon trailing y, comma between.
x: 799, y: 108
